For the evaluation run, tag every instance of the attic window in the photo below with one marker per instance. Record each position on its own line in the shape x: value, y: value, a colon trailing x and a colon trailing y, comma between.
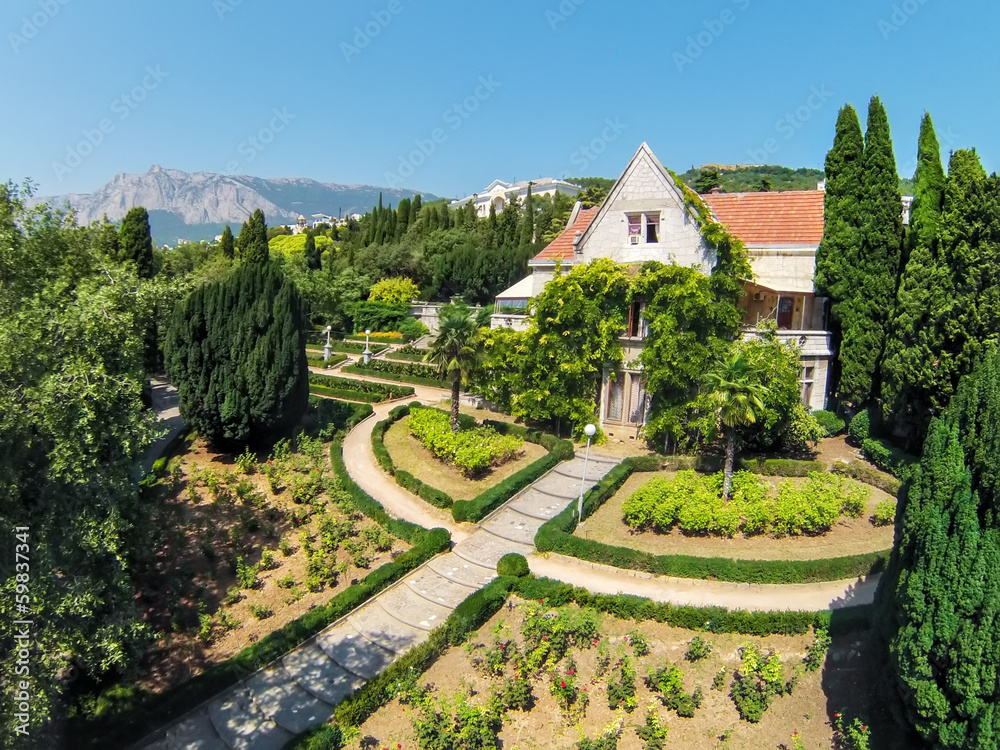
x: 652, y: 228
x: 634, y: 225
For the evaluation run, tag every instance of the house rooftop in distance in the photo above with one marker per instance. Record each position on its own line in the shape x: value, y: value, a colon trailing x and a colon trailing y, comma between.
x: 499, y: 193
x: 561, y: 248
x: 761, y: 219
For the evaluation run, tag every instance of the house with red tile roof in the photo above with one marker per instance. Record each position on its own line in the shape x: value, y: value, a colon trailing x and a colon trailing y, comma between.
x: 645, y: 218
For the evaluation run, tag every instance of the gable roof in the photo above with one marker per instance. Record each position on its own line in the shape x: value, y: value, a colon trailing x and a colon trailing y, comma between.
x: 561, y: 248
x: 785, y: 218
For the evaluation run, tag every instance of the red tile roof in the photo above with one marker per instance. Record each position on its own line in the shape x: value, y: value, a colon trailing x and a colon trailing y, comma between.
x: 561, y: 247
x: 788, y: 218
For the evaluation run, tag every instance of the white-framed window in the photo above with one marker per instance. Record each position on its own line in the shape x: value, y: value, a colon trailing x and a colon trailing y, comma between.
x: 643, y: 228
x: 653, y: 228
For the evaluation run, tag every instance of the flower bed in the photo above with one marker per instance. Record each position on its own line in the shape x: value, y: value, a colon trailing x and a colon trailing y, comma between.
x: 348, y: 347
x: 694, y: 503
x: 383, y: 370
x: 409, y: 354
x: 318, y: 361
x: 357, y: 390
x: 473, y: 451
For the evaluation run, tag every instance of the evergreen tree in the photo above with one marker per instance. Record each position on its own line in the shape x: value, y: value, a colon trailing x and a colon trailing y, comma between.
x: 912, y: 386
x: 313, y: 255
x: 252, y: 242
x: 493, y: 225
x: 876, y: 269
x: 236, y: 351
x: 939, y: 600
x: 708, y: 180
x: 226, y: 244
x: 403, y: 220
x: 528, y: 221
x: 415, y: 209
x: 135, y: 241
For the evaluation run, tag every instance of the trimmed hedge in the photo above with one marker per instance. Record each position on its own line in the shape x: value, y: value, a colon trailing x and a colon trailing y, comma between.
x: 347, y: 347
x: 404, y: 479
x: 399, y: 378
x: 888, y: 457
x: 513, y: 565
x: 769, y: 467
x: 335, y: 359
x: 868, y: 475
x: 556, y: 535
x: 832, y: 424
x: 367, y: 391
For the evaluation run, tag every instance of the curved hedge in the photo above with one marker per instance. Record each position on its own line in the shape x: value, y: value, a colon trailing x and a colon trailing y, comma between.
x: 556, y: 535
x: 486, y: 502
x: 362, y: 390
x: 868, y: 475
x: 397, y: 377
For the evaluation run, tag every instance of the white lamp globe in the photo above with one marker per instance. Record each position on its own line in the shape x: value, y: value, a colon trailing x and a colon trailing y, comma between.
x: 590, y: 430
x: 368, y: 333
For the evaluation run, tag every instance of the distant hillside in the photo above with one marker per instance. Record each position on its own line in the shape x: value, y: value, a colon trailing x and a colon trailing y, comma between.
x: 196, y: 206
x: 735, y: 178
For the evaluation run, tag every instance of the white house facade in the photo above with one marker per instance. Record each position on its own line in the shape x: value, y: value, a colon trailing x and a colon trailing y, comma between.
x: 499, y: 193
x: 644, y: 218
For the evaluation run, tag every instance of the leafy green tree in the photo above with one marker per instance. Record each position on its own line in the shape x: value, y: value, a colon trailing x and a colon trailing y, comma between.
x: 394, y: 291
x: 236, y: 351
x: 708, y: 180
x: 226, y: 244
x: 456, y: 351
x: 876, y: 268
x: 135, y: 241
x: 72, y: 431
x: 528, y: 222
x: 313, y: 255
x: 252, y: 242
x: 912, y: 385
x: 735, y: 394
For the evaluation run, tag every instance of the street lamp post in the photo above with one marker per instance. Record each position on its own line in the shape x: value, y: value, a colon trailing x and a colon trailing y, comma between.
x: 590, y: 430
x: 367, y: 355
x: 326, y: 349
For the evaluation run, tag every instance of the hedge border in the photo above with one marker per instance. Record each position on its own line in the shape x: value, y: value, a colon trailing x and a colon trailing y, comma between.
x: 383, y: 390
x: 556, y: 535
x: 411, y: 379
x: 156, y: 711
x: 489, y: 500
x: 869, y: 475
x: 476, y: 610
x: 319, y: 362
x: 348, y: 347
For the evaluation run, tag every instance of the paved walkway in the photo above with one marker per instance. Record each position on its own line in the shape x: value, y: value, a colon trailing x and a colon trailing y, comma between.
x: 165, y: 401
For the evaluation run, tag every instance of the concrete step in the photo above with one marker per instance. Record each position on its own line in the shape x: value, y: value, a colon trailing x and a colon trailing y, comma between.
x: 379, y: 626
x: 574, y: 470
x: 538, y: 505
x: 558, y: 485
x: 243, y: 726
x: 411, y: 608
x: 485, y: 549
x: 196, y: 732
x: 437, y: 588
x: 352, y: 651
x: 285, y: 702
x: 513, y: 526
x: 460, y: 570
x: 320, y: 675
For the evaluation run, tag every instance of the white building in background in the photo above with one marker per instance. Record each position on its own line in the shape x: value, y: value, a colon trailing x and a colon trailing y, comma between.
x: 499, y: 193
x: 645, y: 218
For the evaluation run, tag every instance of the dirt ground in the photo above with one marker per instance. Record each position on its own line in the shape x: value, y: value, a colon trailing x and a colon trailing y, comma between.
x: 409, y: 455
x: 849, y: 536
x: 846, y: 684
x: 191, y: 571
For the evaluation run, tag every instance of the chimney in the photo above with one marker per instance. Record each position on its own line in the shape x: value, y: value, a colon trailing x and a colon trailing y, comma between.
x: 716, y: 190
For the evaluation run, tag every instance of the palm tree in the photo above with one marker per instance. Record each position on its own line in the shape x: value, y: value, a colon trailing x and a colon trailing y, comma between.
x: 456, y: 350
x: 737, y: 396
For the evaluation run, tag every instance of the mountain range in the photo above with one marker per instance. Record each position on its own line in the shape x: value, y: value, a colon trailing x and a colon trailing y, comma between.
x: 196, y: 206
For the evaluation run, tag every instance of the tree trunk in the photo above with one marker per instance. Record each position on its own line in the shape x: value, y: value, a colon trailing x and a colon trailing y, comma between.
x: 727, y: 482
x: 456, y: 395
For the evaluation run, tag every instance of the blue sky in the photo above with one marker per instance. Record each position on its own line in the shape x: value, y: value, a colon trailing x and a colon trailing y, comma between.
x: 446, y: 96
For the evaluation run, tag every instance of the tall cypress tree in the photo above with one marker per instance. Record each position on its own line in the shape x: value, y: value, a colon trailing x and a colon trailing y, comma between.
x: 314, y: 257
x: 911, y: 377
x: 226, y: 244
x: 415, y: 209
x: 837, y: 255
x: 236, y: 350
x: 135, y: 241
x: 252, y: 241
x: 403, y: 220
x: 528, y: 222
x: 876, y: 270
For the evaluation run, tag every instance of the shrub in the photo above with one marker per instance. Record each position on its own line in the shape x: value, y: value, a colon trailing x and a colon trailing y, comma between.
x: 719, y: 681
x: 324, y: 737
x: 621, y: 686
x: 759, y: 678
x: 868, y: 475
x: 260, y: 612
x: 358, y: 390
x: 832, y: 424
x: 885, y: 513
x: 816, y: 651
x: 473, y: 451
x: 697, y: 649
x: 653, y: 733
x: 513, y: 565
x: 878, y: 453
x: 860, y: 429
x: 667, y: 683
x: 403, y: 372
x: 638, y: 643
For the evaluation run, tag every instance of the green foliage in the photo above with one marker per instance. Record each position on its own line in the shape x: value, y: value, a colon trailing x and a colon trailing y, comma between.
x: 865, y: 473
x: 860, y: 429
x: 747, y: 179
x: 394, y: 291
x: 885, y: 513
x: 759, y: 678
x: 621, y: 686
x: 473, y: 451
x: 719, y: 681
x: 816, y: 651
x: 323, y: 737
x: 235, y: 349
x: 513, y: 565
x: 654, y: 732
x: 252, y: 242
x: 358, y: 390
x: 667, y: 682
x: 831, y: 424
x: 556, y: 536
x: 694, y: 503
x: 638, y: 642
x: 401, y: 372
x: 227, y: 245
x: 379, y: 316
x: 853, y: 735
x: 698, y: 649
x: 457, y: 352
x: 135, y: 241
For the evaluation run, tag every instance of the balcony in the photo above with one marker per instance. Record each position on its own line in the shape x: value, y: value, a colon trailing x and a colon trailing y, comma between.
x: 509, y: 320
x: 812, y: 343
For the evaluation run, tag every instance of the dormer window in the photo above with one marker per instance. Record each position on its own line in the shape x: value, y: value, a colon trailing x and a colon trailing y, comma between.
x: 643, y: 228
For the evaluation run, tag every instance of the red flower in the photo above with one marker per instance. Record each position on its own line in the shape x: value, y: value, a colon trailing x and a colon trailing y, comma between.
x: 501, y: 645
x: 564, y: 683
x: 864, y: 728
x: 572, y: 671
x: 836, y: 716
x: 585, y: 690
x: 399, y: 746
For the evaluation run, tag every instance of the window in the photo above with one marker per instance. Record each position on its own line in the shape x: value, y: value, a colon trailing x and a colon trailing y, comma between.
x: 637, y: 401
x: 786, y: 309
x: 652, y: 228
x: 634, y: 228
x: 806, y: 384
x: 635, y: 328
x: 616, y: 398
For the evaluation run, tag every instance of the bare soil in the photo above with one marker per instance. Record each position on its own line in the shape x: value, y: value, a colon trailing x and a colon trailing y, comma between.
x: 409, y: 455
x: 849, y: 536
x: 846, y: 683
x: 190, y: 570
